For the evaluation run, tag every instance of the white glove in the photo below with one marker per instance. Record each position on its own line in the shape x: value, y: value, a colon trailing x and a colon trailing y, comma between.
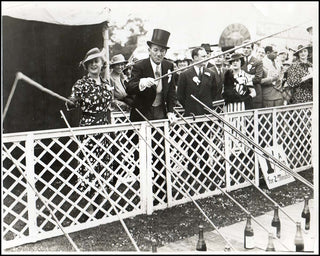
x: 146, y: 82
x: 172, y: 117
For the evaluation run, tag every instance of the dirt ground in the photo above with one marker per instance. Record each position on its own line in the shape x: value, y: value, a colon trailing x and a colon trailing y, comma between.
x: 174, y: 223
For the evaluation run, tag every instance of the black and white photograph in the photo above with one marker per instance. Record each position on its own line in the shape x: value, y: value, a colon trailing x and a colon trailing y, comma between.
x: 159, y: 127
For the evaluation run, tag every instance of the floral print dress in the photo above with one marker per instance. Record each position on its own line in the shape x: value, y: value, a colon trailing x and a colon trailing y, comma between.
x: 94, y: 101
x: 302, y: 91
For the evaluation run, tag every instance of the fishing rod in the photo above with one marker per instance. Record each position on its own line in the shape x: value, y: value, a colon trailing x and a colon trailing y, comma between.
x: 100, y: 184
x: 270, y: 156
x: 204, y: 136
x: 21, y: 76
x: 184, y: 191
x: 227, y: 51
x: 44, y: 201
x: 208, y: 177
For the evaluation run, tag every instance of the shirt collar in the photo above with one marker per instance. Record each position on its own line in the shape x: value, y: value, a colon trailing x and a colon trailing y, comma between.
x: 197, y: 69
x: 154, y: 65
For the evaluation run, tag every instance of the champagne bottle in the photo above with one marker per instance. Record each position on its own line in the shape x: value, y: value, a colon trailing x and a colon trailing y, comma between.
x: 248, y: 235
x: 276, y: 221
x: 201, y: 244
x: 154, y: 245
x: 298, y: 240
x: 306, y: 213
x: 270, y: 246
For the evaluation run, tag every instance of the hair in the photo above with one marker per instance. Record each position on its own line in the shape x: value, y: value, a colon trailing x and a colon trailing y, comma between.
x: 104, y: 66
x: 241, y: 60
x: 268, y: 49
x: 195, y: 51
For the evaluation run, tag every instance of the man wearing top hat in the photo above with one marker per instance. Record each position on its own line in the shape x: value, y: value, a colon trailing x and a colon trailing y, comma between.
x: 154, y: 99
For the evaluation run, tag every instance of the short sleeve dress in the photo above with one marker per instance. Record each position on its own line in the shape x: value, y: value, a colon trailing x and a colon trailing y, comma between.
x: 94, y: 101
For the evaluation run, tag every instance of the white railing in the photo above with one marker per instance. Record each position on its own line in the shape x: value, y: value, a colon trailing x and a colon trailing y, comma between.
x: 147, y: 174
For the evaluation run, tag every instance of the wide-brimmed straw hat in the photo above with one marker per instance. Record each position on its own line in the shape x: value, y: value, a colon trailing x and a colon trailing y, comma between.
x: 117, y: 59
x: 92, y: 54
x: 301, y: 47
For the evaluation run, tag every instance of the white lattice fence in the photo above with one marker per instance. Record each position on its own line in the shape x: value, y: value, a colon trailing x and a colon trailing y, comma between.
x: 194, y: 154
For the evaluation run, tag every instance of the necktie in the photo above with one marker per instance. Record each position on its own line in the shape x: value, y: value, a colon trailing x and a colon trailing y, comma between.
x: 158, y: 72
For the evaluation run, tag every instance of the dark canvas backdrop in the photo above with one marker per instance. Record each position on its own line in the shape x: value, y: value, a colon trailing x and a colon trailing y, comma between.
x: 50, y: 55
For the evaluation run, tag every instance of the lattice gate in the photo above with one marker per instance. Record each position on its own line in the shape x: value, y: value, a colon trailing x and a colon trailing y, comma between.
x: 147, y: 169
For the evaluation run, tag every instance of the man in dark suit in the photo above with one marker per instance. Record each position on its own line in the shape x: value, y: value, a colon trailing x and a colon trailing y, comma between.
x: 154, y: 99
x: 219, y: 72
x: 254, y: 67
x: 198, y: 81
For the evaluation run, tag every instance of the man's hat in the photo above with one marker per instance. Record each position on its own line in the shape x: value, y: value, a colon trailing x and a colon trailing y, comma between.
x: 117, y: 59
x: 207, y: 47
x: 160, y: 37
x: 301, y: 47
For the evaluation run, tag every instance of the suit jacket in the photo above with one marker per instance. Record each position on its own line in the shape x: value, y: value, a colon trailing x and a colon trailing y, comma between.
x: 255, y: 67
x: 219, y: 79
x: 205, y: 91
x: 144, y: 99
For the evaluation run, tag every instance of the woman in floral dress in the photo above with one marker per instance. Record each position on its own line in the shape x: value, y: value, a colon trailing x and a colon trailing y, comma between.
x: 300, y: 76
x: 93, y: 95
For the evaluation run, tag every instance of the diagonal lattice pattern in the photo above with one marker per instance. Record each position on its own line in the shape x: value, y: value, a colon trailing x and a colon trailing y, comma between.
x: 197, y: 157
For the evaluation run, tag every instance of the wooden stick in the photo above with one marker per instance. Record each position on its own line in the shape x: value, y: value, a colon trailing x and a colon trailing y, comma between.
x: 275, y: 160
x: 39, y: 86
x: 227, y: 51
x: 44, y: 201
x: 185, y: 192
x: 100, y: 183
x: 11, y: 95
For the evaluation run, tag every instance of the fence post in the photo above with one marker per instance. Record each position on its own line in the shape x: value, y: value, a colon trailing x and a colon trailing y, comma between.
x: 147, y: 160
x: 227, y: 152
x: 167, y: 161
x: 256, y: 140
x: 31, y: 196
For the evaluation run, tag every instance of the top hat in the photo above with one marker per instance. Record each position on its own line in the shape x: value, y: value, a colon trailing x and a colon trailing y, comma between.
x: 92, y: 54
x: 301, y: 47
x: 207, y: 47
x: 160, y: 37
x: 117, y: 59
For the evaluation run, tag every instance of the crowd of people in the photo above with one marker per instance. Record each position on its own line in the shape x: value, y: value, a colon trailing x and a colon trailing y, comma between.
x: 251, y: 77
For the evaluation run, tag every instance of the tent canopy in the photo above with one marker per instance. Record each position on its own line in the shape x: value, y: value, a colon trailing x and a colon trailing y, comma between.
x: 63, y: 13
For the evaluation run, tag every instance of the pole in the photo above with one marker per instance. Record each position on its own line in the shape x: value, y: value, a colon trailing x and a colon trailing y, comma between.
x: 185, y: 192
x: 43, y: 200
x: 204, y: 136
x: 227, y: 51
x: 11, y: 94
x: 208, y: 177
x: 101, y: 185
x: 275, y: 160
x: 105, y: 34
